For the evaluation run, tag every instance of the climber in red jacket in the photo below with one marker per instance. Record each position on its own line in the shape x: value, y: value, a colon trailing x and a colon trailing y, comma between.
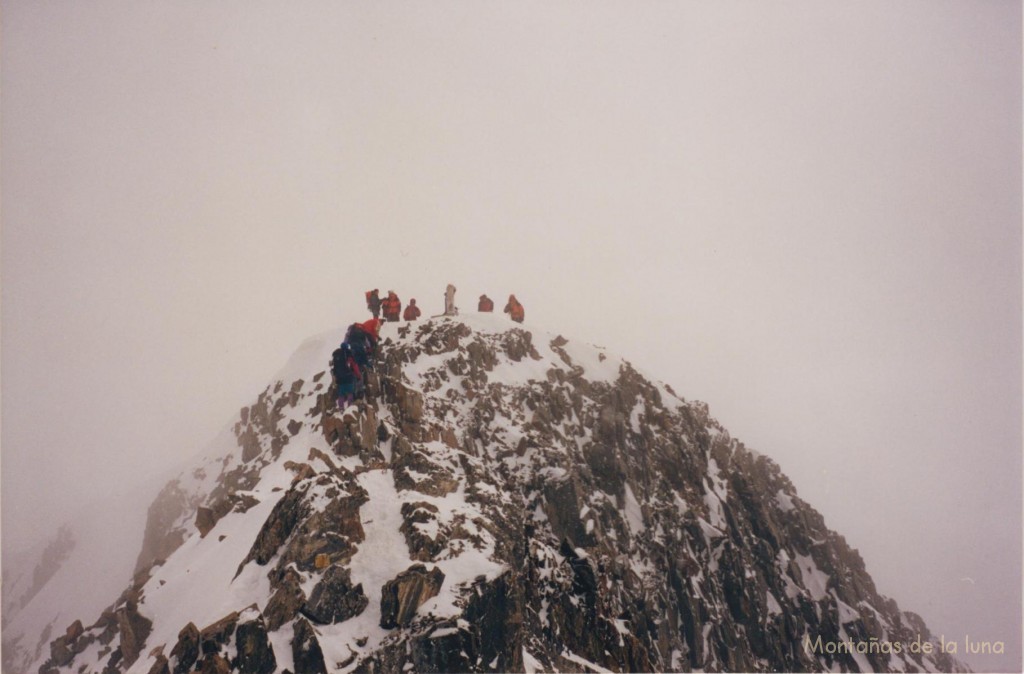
x: 362, y: 338
x: 371, y: 327
x: 515, y: 310
x: 391, y: 306
x: 486, y: 304
x: 412, y: 312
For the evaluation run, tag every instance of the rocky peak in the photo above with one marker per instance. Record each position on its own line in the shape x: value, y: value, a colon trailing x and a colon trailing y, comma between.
x: 502, y: 501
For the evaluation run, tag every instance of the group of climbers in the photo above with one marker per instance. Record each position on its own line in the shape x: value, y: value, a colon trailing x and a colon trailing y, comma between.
x: 351, y: 361
x: 391, y: 306
x: 514, y: 309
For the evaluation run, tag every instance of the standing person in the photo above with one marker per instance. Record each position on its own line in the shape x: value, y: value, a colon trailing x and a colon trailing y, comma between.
x: 346, y: 375
x: 515, y: 310
x: 449, y: 301
x: 486, y: 304
x: 412, y: 312
x: 392, y: 307
x: 373, y: 302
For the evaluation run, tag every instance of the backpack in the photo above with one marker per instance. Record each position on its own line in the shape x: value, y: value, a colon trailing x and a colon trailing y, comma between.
x: 340, y: 362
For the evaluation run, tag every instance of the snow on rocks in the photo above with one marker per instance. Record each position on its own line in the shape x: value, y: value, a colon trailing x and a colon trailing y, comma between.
x: 504, y: 500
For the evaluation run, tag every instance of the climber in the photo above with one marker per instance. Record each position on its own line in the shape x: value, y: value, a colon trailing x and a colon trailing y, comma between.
x: 449, y: 301
x: 412, y: 312
x: 346, y: 374
x: 486, y: 304
x: 391, y: 306
x: 362, y: 339
x: 515, y: 310
x: 373, y: 302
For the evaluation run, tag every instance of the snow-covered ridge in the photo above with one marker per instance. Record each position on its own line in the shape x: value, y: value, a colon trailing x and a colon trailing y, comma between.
x: 505, y: 499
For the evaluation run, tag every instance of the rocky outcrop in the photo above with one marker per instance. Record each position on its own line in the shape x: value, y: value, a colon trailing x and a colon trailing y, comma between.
x: 186, y: 651
x: 305, y: 532
x: 208, y: 516
x: 161, y: 665
x: 163, y: 535
x: 286, y: 601
x: 408, y: 591
x: 334, y: 599
x: 306, y: 651
x: 255, y: 654
x: 422, y: 530
x: 536, y: 503
x: 216, y: 635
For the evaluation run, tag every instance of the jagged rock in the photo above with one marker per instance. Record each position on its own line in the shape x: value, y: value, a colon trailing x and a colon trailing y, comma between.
x: 161, y: 537
x: 334, y: 599
x: 410, y: 403
x: 160, y: 665
x: 74, y: 631
x: 481, y: 360
x: 249, y: 441
x: 217, y: 634
x: 107, y: 623
x: 303, y: 471
x: 608, y: 520
x: 255, y: 654
x: 63, y: 649
x: 414, y: 470
x: 285, y: 516
x: 286, y: 601
x: 208, y: 516
x: 563, y: 501
x: 519, y: 344
x: 584, y: 578
x: 204, y: 520
x: 214, y: 664
x: 334, y: 531
x: 60, y: 653
x: 134, y: 628
x: 114, y: 663
x: 422, y: 547
x: 306, y: 652
x: 404, y: 594
x: 186, y: 650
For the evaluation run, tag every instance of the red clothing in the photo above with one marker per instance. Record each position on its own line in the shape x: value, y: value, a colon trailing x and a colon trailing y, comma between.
x: 486, y: 304
x: 412, y: 312
x: 371, y: 327
x: 392, y: 307
x: 515, y: 309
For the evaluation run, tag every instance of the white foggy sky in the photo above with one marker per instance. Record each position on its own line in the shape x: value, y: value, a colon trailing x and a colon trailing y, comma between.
x: 806, y: 214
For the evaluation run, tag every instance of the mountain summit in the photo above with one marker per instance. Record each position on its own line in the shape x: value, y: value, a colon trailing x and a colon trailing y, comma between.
x: 501, y: 501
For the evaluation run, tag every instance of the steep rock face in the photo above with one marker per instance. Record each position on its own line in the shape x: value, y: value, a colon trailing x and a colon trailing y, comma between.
x: 500, y: 502
x: 407, y: 592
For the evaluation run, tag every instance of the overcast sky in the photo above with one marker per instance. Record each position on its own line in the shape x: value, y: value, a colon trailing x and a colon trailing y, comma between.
x: 807, y: 214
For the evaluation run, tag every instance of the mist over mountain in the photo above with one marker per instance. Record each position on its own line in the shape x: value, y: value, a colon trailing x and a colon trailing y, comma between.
x: 502, y: 500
